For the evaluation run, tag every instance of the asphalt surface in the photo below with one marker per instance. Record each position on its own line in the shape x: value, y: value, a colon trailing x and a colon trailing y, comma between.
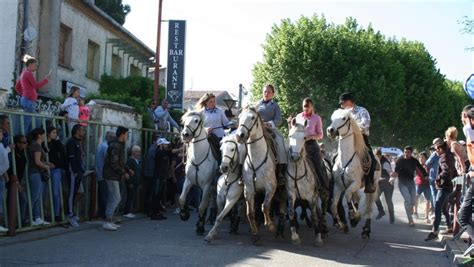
x: 172, y: 242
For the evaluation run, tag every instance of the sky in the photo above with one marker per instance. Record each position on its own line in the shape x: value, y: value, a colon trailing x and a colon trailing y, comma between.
x: 224, y: 37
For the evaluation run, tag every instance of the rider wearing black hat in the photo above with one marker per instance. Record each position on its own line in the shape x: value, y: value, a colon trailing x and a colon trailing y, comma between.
x: 362, y: 116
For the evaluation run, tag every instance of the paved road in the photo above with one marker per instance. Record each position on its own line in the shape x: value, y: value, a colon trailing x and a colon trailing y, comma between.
x: 173, y: 243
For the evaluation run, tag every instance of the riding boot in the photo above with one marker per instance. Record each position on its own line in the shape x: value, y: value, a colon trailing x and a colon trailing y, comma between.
x: 369, y: 178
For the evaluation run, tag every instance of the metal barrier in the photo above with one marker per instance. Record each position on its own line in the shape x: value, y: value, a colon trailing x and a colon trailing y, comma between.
x: 86, y: 206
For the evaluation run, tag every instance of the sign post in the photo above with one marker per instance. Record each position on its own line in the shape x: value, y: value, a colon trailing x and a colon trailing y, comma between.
x: 175, y: 69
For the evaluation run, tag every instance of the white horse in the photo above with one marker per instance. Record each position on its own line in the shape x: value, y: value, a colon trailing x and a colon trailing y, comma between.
x: 229, y: 190
x: 201, y: 166
x: 301, y: 182
x: 259, y: 168
x: 349, y: 169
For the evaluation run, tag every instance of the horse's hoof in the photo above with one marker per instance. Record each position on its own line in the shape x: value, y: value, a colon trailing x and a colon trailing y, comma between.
x: 271, y: 228
x: 366, y: 234
x: 296, y: 241
x: 318, y: 242
x: 208, y: 239
x: 184, y: 215
x: 200, y: 230
x: 255, y: 239
x: 324, y: 236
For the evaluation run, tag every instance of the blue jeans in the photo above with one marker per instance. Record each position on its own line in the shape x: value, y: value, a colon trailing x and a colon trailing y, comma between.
x: 408, y: 191
x: 441, y: 206
x: 114, y: 198
x: 434, y: 192
x: 102, y: 198
x: 28, y: 106
x: 56, y: 185
x: 36, y: 189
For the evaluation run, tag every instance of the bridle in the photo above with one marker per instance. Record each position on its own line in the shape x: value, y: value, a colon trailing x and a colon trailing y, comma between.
x: 233, y: 165
x: 193, y: 131
x: 348, y: 129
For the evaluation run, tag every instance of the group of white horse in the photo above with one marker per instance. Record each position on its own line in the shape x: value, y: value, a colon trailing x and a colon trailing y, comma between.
x: 248, y: 166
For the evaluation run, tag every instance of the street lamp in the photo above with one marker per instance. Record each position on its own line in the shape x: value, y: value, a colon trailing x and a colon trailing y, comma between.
x: 229, y: 102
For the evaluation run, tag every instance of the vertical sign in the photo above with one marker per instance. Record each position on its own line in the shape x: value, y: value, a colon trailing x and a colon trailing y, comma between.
x: 175, y: 70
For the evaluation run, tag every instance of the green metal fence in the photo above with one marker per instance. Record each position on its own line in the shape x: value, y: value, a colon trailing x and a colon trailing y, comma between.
x: 86, y: 205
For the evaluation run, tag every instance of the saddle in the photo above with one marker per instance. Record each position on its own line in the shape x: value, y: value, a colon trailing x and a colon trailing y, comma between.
x: 367, y: 162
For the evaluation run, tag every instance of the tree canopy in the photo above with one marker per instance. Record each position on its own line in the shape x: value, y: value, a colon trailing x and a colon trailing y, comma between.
x: 115, y: 9
x: 409, y: 100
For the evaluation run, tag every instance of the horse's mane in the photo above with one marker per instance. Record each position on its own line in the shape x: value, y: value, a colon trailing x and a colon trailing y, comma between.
x: 298, y: 127
x: 360, y: 147
x: 191, y: 113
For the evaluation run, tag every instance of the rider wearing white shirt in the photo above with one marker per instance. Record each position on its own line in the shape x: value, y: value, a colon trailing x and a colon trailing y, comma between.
x: 362, y: 117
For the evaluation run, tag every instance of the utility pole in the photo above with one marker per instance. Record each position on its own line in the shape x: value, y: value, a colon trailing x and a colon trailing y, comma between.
x: 156, y: 84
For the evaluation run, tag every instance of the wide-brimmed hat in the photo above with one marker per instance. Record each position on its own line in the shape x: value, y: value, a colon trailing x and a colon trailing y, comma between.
x: 345, y: 97
x: 162, y: 141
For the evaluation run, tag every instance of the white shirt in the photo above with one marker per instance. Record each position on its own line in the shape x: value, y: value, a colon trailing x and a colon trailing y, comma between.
x: 4, y: 162
x: 468, y: 133
x: 215, y: 118
x: 72, y: 107
x: 361, y: 115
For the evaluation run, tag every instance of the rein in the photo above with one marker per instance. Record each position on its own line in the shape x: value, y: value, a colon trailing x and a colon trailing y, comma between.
x: 296, y: 178
x: 344, y: 169
x: 193, y: 132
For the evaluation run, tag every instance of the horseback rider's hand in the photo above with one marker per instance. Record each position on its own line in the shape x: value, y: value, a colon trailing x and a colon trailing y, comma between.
x: 209, y: 130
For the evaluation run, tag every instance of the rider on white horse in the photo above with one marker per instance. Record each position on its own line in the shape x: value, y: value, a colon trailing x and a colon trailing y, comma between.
x: 313, y: 133
x: 362, y: 117
x: 270, y: 113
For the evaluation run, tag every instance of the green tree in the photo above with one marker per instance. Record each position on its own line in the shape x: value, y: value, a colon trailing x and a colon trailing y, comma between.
x: 115, y: 9
x: 397, y: 81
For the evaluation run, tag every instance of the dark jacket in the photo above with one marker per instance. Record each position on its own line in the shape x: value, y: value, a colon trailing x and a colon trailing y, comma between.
x: 163, y: 163
x: 20, y: 164
x: 114, y: 166
x: 74, y: 156
x: 136, y: 167
x: 56, y: 154
x: 446, y: 171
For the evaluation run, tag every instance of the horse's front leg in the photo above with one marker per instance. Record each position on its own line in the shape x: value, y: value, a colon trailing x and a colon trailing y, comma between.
x: 369, y: 202
x: 183, y: 208
x: 250, y: 201
x: 202, y: 209
x: 230, y: 200
x: 316, y: 215
x: 270, y: 189
x: 295, y: 238
x: 334, y: 207
x: 354, y: 214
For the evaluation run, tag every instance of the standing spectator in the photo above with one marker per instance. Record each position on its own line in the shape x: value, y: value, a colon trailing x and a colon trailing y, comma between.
x: 149, y: 173
x: 20, y: 166
x: 38, y: 168
x: 163, y: 119
x: 134, y: 164
x: 460, y: 157
x: 27, y: 88
x: 84, y: 112
x: 151, y: 112
x: 465, y: 213
x: 423, y: 187
x: 432, y: 164
x: 103, y: 191
x: 405, y: 168
x: 114, y: 172
x: 75, y: 170
x: 4, y: 164
x: 163, y: 163
x: 444, y: 185
x: 385, y: 187
x: 5, y: 126
x: 71, y: 106
x: 56, y: 155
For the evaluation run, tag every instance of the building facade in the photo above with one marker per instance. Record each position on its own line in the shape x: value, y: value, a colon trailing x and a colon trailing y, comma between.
x: 74, y: 39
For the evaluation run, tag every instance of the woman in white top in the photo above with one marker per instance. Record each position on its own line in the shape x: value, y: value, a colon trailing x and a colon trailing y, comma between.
x: 72, y: 106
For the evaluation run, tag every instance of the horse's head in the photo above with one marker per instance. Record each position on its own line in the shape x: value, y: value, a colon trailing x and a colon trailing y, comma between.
x: 248, y: 121
x: 192, y: 122
x: 230, y: 153
x: 341, y: 121
x: 296, y: 140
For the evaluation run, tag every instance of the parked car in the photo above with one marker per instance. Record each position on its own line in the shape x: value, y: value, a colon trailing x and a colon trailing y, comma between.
x: 392, y: 151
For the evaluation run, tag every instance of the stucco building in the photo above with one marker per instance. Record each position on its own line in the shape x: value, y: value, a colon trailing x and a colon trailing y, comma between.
x: 74, y: 39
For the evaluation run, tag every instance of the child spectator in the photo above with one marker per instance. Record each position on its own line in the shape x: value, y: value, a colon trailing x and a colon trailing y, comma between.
x: 134, y: 164
x: 84, y: 112
x: 20, y: 164
x: 71, y: 106
x: 75, y: 170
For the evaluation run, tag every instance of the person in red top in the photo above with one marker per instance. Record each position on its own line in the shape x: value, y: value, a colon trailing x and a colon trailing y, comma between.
x: 84, y: 112
x: 423, y: 187
x: 27, y: 87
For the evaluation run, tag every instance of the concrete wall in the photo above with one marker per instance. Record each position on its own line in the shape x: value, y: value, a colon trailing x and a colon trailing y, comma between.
x: 8, y: 20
